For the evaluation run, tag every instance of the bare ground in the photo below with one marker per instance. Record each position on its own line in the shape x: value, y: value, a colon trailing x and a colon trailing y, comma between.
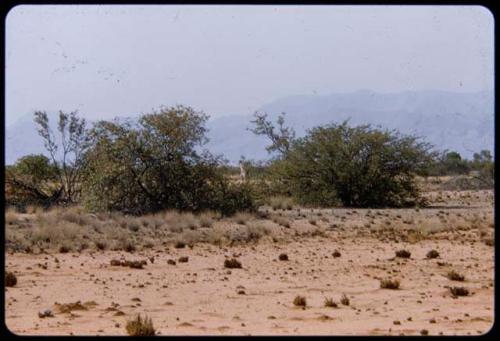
x: 201, y: 297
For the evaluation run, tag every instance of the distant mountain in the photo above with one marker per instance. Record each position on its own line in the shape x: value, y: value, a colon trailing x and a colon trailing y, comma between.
x: 463, y: 122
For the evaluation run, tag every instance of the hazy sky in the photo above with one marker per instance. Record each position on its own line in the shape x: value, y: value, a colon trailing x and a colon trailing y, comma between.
x: 225, y: 60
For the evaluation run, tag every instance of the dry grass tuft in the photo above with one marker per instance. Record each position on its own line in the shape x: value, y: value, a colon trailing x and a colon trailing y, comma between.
x: 329, y: 302
x: 283, y: 257
x: 299, y: 301
x: 403, y: 254
x: 432, y: 254
x: 389, y: 284
x: 455, y: 276
x: 10, y: 279
x: 459, y: 291
x: 140, y: 327
x: 242, y: 218
x: 232, y: 264
x: 345, y: 300
x: 281, y: 203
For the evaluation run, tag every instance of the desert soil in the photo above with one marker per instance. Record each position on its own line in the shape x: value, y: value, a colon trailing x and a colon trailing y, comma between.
x: 201, y: 297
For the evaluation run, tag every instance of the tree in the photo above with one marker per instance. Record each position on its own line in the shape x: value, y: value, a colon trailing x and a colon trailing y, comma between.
x: 356, y: 166
x: 485, y: 168
x: 280, y: 139
x: 452, y: 164
x: 31, y: 181
x: 157, y: 164
x: 73, y: 144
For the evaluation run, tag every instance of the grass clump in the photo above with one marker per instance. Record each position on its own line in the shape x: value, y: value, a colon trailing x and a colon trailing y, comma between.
x: 329, y: 302
x: 283, y: 257
x: 299, y: 301
x: 345, y: 300
x: 206, y: 219
x: 403, y: 254
x: 336, y: 254
x: 389, y: 284
x: 232, y: 264
x: 242, y: 218
x: 459, y: 291
x: 280, y: 202
x: 140, y: 327
x: 432, y: 254
x: 455, y: 276
x: 10, y: 279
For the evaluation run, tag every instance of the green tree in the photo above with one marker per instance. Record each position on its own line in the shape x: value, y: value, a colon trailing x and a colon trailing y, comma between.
x: 157, y: 164
x: 356, y: 166
x: 484, y: 166
x: 31, y: 180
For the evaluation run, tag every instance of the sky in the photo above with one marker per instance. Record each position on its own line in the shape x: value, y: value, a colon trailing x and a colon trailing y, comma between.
x: 107, y: 61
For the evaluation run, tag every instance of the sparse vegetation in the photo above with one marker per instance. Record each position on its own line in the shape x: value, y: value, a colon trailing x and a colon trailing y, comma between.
x: 455, y: 276
x: 232, y: 263
x: 403, y: 254
x: 459, y: 291
x: 329, y: 302
x: 345, y: 300
x: 389, y: 284
x: 140, y: 327
x: 283, y: 257
x: 432, y: 254
x: 299, y: 301
x: 10, y: 279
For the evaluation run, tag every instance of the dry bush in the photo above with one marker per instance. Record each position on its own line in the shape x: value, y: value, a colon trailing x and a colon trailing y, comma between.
x: 329, y: 302
x: 10, y: 279
x: 403, y: 254
x: 232, y: 263
x: 336, y: 254
x: 299, y: 301
x: 101, y: 245
x: 249, y: 233
x: 459, y: 291
x: 34, y: 209
x: 345, y: 300
x: 389, y: 284
x: 11, y: 216
x: 280, y: 202
x: 178, y: 222
x: 54, y: 232
x: 455, y: 276
x: 64, y: 249
x: 184, y: 259
x: 140, y: 327
x: 283, y: 257
x: 206, y: 219
x: 242, y: 218
x: 432, y: 254
x: 282, y: 221
x: 69, y: 307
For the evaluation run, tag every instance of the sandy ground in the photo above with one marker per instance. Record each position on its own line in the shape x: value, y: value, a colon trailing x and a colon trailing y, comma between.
x: 201, y: 297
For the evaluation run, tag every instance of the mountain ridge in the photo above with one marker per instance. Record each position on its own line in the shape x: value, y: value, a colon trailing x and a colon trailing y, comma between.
x: 463, y: 122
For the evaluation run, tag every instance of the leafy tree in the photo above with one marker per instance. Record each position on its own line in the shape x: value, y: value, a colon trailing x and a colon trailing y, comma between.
x: 356, y: 166
x: 156, y: 164
x: 485, y: 168
x: 31, y: 181
x: 72, y: 145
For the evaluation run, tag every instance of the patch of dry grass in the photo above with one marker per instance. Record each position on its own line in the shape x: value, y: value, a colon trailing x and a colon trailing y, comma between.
x: 140, y: 327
